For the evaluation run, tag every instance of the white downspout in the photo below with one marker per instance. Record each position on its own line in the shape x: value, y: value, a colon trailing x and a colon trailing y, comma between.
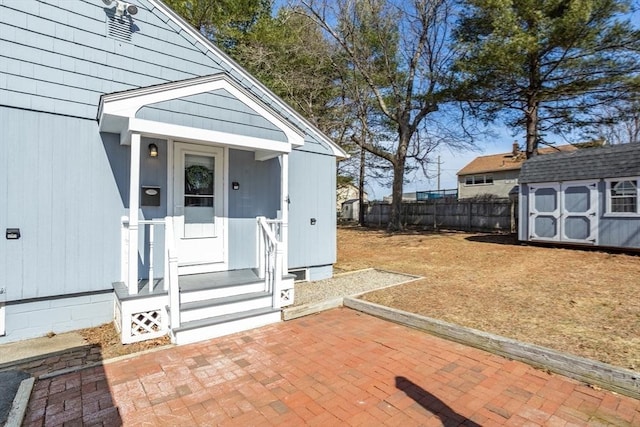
x: 134, y: 205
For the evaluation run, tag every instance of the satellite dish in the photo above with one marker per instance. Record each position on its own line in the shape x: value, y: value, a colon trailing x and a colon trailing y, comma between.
x: 107, y: 2
x: 131, y: 9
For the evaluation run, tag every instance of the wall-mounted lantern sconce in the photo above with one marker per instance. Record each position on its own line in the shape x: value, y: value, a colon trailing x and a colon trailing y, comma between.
x: 153, y: 150
x: 235, y: 185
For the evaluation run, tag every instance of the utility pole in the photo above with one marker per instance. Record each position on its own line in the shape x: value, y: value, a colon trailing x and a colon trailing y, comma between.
x: 438, y: 173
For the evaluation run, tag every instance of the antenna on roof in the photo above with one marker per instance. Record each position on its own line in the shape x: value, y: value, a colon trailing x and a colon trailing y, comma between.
x: 122, y: 7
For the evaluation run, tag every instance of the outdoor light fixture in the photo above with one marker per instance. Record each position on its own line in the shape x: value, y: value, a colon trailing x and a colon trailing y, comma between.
x: 153, y: 150
x: 122, y: 7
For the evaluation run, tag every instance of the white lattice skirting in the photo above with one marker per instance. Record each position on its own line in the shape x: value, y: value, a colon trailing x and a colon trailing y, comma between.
x: 148, y: 322
x: 142, y: 319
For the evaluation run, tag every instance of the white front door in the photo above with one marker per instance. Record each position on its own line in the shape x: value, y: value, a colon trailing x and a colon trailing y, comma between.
x: 198, y: 207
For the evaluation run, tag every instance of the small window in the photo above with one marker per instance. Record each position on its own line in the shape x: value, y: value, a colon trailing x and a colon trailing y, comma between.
x: 623, y: 196
x: 478, y: 179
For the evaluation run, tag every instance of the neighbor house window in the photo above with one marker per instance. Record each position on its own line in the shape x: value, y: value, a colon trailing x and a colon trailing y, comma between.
x: 478, y: 179
x: 622, y: 196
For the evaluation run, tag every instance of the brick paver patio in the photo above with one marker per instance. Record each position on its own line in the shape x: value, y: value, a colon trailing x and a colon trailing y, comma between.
x: 338, y: 367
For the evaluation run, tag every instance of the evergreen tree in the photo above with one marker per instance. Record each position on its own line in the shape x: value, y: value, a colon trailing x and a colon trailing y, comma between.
x: 546, y: 65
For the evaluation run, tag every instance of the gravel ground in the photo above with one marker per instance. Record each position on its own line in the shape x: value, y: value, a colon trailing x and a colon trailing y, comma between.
x: 346, y: 284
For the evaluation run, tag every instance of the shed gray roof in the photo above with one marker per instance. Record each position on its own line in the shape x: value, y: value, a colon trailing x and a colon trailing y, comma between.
x: 613, y: 161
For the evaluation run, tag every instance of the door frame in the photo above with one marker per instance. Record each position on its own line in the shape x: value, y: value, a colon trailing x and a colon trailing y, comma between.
x: 205, y: 268
x: 592, y: 213
x: 534, y: 213
x: 560, y: 214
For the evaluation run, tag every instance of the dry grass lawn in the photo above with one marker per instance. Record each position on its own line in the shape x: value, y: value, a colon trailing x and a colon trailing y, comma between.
x: 577, y: 301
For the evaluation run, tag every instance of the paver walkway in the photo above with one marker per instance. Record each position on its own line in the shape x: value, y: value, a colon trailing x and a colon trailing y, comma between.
x: 338, y: 367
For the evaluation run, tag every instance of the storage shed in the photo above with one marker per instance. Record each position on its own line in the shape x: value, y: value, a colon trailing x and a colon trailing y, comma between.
x: 589, y: 196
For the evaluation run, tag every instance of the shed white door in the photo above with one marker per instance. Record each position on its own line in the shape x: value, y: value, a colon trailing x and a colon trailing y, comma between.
x: 579, y: 221
x: 198, y: 207
x: 544, y: 212
x: 564, y: 212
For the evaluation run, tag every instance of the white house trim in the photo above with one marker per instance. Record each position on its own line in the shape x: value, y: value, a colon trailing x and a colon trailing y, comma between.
x: 126, y: 104
x: 189, y: 134
x: 608, y: 212
x: 284, y: 209
x: 134, y: 204
x: 188, y: 29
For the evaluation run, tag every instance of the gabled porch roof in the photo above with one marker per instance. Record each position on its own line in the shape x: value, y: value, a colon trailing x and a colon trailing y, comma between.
x: 117, y: 114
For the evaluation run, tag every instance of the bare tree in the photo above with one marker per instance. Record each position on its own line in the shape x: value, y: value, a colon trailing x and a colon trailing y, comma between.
x: 619, y: 124
x: 401, y: 62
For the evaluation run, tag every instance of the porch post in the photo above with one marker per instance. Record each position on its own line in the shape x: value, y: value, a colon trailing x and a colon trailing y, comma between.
x: 134, y: 204
x: 284, y: 209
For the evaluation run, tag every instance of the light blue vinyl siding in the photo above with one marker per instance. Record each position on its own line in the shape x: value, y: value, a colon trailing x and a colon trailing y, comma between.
x: 312, y: 193
x: 620, y: 232
x: 313, y: 145
x: 58, y: 185
x: 218, y: 110
x: 623, y: 232
x: 153, y: 173
x: 55, y: 57
x: 258, y: 195
x: 33, y: 319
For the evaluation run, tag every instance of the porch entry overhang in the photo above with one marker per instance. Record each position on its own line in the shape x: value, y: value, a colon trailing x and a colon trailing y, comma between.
x: 117, y: 114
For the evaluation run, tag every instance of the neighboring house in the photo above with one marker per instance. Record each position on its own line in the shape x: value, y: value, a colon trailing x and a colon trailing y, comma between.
x: 350, y: 210
x: 590, y: 196
x: 144, y: 173
x: 496, y: 175
x: 347, y: 192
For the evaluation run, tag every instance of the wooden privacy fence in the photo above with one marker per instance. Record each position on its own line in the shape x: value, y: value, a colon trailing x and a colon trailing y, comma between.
x: 452, y: 214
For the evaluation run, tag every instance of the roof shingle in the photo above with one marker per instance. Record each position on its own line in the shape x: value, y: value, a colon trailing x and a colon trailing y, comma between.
x: 505, y: 161
x: 613, y: 161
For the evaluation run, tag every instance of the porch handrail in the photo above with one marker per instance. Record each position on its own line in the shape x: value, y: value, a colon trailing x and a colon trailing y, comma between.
x: 270, y: 256
x: 152, y: 223
x: 124, y: 250
x: 171, y: 274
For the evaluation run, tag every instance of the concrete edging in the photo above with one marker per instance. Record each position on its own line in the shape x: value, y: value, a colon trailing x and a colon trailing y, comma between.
x: 295, y: 311
x: 609, y: 377
x: 20, y: 402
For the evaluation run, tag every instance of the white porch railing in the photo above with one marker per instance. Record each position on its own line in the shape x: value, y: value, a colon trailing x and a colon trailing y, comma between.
x: 270, y: 257
x: 142, y: 320
x: 152, y: 224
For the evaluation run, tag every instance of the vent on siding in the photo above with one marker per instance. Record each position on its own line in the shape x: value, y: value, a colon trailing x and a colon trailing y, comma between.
x: 301, y: 275
x: 119, y: 28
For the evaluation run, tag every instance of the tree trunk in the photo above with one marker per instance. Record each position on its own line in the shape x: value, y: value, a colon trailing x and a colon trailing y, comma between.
x: 395, y: 220
x: 361, y: 220
x: 533, y: 103
x: 532, y: 129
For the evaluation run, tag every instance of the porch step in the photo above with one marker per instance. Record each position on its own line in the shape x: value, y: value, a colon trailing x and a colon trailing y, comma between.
x: 207, y: 286
x: 196, y: 310
x: 213, y: 327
